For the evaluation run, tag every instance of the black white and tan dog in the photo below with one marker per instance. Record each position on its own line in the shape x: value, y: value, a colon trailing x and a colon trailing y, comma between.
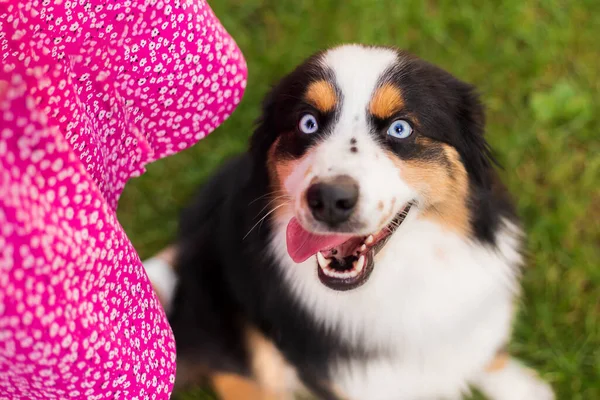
x: 363, y: 248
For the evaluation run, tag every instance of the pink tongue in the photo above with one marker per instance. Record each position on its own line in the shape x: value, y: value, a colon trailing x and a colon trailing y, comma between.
x: 302, y: 244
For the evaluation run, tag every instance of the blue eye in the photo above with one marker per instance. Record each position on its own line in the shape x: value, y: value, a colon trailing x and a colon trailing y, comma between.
x: 308, y: 124
x: 400, y: 129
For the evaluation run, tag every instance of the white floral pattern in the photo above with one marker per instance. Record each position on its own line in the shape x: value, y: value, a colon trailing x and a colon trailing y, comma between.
x: 90, y: 92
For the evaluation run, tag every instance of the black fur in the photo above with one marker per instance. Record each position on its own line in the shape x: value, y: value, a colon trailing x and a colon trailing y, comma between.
x: 226, y: 280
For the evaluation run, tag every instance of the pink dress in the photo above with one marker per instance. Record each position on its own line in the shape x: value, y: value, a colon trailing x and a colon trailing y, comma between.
x: 90, y: 92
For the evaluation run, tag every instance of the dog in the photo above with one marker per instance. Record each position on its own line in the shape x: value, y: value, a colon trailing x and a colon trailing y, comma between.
x: 362, y: 248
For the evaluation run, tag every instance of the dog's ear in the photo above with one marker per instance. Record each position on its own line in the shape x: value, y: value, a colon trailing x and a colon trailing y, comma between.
x: 265, y: 131
x: 474, y: 149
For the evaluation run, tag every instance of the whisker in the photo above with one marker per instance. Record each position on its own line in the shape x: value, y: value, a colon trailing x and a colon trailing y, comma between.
x: 269, y: 203
x: 279, y: 206
x: 263, y: 218
x: 266, y: 195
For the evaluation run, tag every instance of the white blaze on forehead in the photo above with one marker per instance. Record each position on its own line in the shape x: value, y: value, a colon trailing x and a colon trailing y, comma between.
x: 357, y: 70
x: 350, y: 147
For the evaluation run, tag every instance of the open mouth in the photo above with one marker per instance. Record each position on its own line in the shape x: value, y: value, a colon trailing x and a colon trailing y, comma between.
x: 343, y: 262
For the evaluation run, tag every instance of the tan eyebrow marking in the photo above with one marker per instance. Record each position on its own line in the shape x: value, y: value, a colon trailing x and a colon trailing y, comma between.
x: 386, y: 101
x: 321, y: 94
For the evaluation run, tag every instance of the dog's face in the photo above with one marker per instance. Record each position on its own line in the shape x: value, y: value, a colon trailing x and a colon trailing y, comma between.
x: 354, y: 140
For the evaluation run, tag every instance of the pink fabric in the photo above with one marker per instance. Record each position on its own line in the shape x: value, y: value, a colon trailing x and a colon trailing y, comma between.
x: 90, y: 92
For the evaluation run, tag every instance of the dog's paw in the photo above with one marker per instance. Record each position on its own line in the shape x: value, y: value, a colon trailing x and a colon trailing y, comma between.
x: 514, y: 382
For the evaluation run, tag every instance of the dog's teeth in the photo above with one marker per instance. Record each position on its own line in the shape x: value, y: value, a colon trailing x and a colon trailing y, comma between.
x: 359, y: 264
x: 333, y: 273
x: 369, y: 239
x: 323, y: 262
x: 363, y: 247
x: 357, y: 267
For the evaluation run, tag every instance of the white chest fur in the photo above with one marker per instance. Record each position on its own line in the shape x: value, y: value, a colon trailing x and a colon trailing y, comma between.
x: 436, y: 308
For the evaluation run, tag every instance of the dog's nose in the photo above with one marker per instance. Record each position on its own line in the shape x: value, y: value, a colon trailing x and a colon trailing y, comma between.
x: 332, y: 202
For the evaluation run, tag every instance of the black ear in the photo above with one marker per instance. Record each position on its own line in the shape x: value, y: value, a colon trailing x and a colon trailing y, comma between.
x: 490, y: 201
x: 475, y: 150
x: 265, y: 132
x: 280, y: 101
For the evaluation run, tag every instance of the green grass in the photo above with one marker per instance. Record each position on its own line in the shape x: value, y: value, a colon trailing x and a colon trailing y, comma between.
x: 537, y: 65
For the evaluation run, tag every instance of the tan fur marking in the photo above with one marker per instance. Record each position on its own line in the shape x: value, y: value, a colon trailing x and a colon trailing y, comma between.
x: 456, y: 213
x: 445, y: 196
x: 499, y: 362
x: 270, y: 378
x: 235, y: 387
x: 386, y: 101
x: 227, y: 386
x: 268, y: 365
x: 279, y: 170
x: 380, y: 206
x: 321, y: 94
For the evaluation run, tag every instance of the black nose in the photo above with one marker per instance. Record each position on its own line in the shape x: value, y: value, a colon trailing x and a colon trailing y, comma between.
x: 334, y: 201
